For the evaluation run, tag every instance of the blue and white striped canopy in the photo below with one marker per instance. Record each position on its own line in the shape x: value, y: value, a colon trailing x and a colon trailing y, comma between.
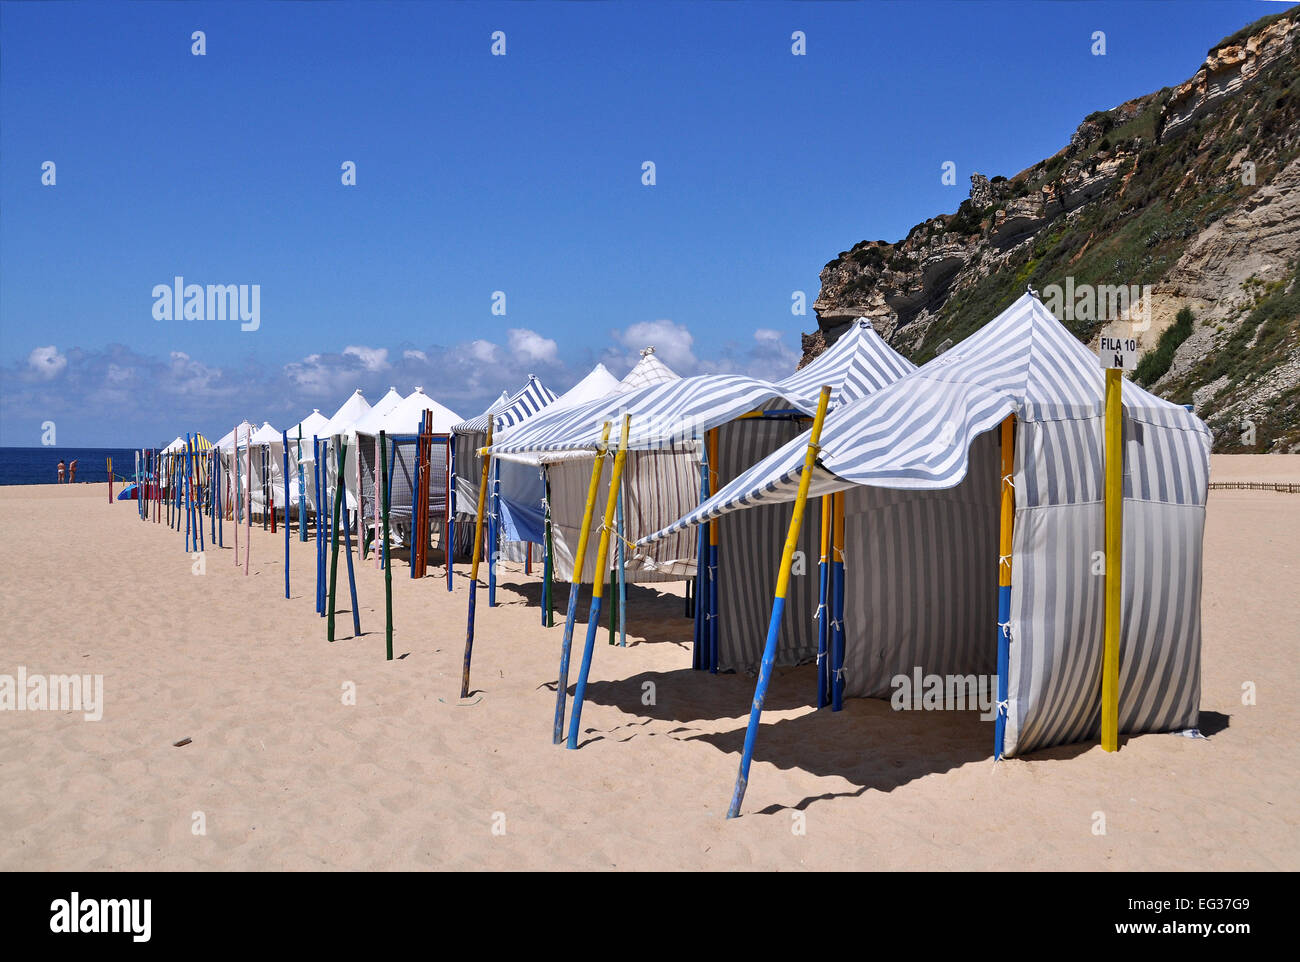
x: 858, y: 364
x: 524, y: 403
x: 677, y: 413
x: 916, y: 433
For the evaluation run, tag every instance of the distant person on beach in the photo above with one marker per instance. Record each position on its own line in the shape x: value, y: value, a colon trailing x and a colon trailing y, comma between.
x: 60, y: 470
x: 72, y: 471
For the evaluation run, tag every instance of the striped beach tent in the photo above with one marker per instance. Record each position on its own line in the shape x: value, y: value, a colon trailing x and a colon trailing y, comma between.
x: 516, y: 493
x: 919, y: 463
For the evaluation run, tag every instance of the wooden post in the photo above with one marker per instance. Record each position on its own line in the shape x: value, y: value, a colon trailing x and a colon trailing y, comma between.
x: 713, y: 558
x: 778, y: 605
x: 302, y: 492
x: 622, y: 580
x: 334, y: 542
x: 598, y: 584
x: 1114, y: 557
x: 110, y: 480
x: 284, y: 440
x: 248, y: 514
x: 473, y: 576
x: 449, y: 536
x: 1005, y: 530
x: 548, y: 560
x: 823, y: 601
x: 494, y: 529
x: 347, y: 551
x: 388, y: 571
x: 575, y: 584
x: 837, y: 596
x: 699, y: 654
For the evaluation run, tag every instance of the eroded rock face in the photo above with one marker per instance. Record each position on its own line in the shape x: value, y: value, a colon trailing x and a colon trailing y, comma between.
x: 1153, y: 192
x: 1225, y: 71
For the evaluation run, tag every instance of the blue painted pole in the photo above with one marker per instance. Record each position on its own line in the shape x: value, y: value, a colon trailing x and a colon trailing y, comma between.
x: 1005, y: 532
x: 450, y: 543
x: 598, y: 584
x: 320, y: 494
x: 196, y: 495
x: 415, y: 496
x: 778, y: 606
x: 284, y: 440
x: 622, y: 580
x: 494, y: 532
x: 575, y: 585
x: 699, y: 659
x: 388, y: 492
x: 837, y: 596
x: 823, y: 607
x: 220, y: 503
x: 302, y: 492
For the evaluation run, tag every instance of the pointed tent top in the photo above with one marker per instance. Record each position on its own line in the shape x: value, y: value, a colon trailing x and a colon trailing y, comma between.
x: 404, y: 417
x: 312, y: 424
x: 859, y: 363
x: 227, y: 443
x: 649, y: 370
x: 1023, y: 362
x: 266, y: 434
x: 346, y: 417
x: 510, y: 409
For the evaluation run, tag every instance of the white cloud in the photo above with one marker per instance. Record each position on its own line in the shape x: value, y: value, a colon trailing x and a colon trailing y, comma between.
x: 371, y: 358
x: 47, y: 361
x: 531, y: 347
x: 415, y: 356
x: 673, y: 343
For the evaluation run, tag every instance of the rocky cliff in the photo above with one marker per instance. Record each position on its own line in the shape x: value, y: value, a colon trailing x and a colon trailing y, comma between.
x: 1188, y: 197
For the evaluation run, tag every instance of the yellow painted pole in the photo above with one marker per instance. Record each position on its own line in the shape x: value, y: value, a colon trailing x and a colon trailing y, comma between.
x: 575, y: 583
x: 473, y: 577
x: 712, y: 621
x: 778, y: 605
x: 1114, y: 557
x: 598, y: 583
x: 1005, y: 531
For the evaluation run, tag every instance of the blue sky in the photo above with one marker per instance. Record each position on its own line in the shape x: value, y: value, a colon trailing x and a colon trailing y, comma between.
x: 479, y: 173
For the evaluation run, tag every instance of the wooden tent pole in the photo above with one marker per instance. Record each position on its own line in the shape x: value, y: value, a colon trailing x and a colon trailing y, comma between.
x: 823, y: 601
x: 837, y: 601
x: 415, y: 503
x: 1114, y: 558
x: 316, y: 486
x: 473, y: 576
x: 548, y: 560
x: 448, y: 537
x: 1005, y: 531
x: 347, y: 548
x: 110, y: 480
x: 575, y: 585
x: 713, y: 557
x: 699, y: 655
x: 388, y: 571
x: 284, y: 441
x: 778, y: 605
x: 622, y: 580
x: 494, y: 528
x: 248, y: 514
x: 302, y: 492
x: 334, y: 542
x: 602, y: 562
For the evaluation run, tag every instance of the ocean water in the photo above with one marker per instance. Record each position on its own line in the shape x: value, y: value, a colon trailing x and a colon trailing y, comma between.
x: 40, y: 465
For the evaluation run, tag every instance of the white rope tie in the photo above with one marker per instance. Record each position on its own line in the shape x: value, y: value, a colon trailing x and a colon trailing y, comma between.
x: 1009, y: 480
x: 818, y: 613
x: 1002, y: 707
x: 1006, y: 629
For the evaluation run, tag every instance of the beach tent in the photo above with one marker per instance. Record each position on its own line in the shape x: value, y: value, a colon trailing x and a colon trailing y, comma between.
x: 400, y: 424
x: 920, y: 465
x: 301, y: 460
x: 668, y: 479
x: 517, y: 492
x: 343, y: 425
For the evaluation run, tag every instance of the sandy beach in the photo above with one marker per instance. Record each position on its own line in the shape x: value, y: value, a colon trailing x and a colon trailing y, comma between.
x: 286, y: 775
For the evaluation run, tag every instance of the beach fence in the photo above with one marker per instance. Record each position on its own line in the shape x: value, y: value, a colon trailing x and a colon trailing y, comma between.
x: 1287, y: 487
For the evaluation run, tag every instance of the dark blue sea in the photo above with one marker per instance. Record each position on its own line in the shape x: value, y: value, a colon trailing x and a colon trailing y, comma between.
x: 40, y: 465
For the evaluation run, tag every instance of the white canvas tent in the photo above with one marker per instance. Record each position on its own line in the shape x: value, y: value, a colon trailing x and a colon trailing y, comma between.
x: 919, y: 464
